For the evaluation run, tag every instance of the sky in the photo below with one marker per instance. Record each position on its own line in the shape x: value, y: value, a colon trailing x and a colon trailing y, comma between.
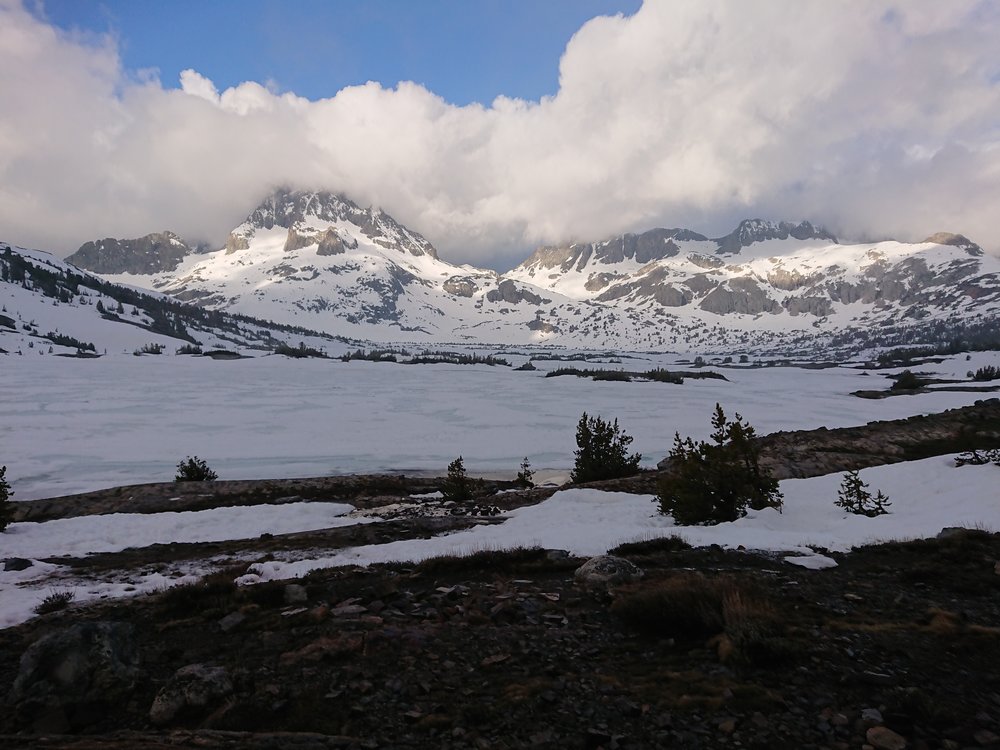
x: 494, y: 127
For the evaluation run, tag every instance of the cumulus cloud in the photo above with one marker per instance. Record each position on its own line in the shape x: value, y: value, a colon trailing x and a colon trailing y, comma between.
x: 874, y: 117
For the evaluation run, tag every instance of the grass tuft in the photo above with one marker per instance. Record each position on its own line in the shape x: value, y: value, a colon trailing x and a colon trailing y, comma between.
x: 54, y: 602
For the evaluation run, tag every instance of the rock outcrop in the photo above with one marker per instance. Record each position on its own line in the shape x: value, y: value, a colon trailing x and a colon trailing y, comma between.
x: 154, y: 253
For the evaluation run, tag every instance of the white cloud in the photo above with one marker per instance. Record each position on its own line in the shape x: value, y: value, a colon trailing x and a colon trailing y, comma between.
x: 875, y: 118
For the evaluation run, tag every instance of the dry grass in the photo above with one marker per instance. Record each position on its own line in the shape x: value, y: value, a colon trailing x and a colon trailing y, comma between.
x: 731, y: 613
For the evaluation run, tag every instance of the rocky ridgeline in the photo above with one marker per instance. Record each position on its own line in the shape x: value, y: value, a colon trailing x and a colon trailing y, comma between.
x: 810, y: 453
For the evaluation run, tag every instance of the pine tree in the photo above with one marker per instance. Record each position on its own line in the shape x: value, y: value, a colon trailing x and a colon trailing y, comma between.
x: 525, y: 477
x: 602, y: 451
x: 194, y: 469
x: 715, y: 482
x: 456, y: 486
x: 6, y: 511
x: 855, y: 497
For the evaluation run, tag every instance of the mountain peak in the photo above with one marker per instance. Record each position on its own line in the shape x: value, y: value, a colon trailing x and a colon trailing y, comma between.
x: 308, y: 212
x: 956, y: 240
x: 750, y: 231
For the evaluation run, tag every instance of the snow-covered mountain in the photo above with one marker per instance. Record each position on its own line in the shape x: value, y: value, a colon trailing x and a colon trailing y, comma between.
x: 317, y: 260
x: 320, y: 261
x: 48, y: 306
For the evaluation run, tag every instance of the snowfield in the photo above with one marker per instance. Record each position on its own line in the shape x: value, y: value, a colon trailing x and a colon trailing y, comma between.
x: 70, y: 425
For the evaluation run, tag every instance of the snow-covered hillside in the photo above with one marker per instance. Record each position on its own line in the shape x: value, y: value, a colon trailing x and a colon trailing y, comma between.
x: 48, y: 306
x: 317, y: 260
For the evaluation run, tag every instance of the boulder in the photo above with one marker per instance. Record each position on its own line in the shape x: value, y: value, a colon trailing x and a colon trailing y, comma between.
x: 607, y: 570
x: 192, y: 692
x: 71, y: 678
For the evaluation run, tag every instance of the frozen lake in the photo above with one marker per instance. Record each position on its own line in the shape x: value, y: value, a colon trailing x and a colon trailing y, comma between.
x: 69, y: 425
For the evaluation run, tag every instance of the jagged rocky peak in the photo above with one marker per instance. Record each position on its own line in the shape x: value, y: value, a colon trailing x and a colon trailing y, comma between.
x: 307, y: 215
x: 645, y: 247
x: 750, y: 231
x: 154, y: 253
x: 956, y: 240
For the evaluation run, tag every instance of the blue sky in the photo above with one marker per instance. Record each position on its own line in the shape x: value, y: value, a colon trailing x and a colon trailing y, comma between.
x: 463, y: 50
x: 528, y: 122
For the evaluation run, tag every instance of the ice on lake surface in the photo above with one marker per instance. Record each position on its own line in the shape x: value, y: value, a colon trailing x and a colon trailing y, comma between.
x: 69, y: 425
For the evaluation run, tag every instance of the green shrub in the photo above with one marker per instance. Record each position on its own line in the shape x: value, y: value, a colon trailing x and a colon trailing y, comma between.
x: 456, y: 486
x: 300, y: 352
x: 6, y: 511
x: 602, y: 451
x: 149, y: 349
x: 650, y: 546
x: 854, y: 497
x: 907, y: 381
x: 978, y: 458
x: 984, y: 374
x: 710, y: 483
x: 194, y: 469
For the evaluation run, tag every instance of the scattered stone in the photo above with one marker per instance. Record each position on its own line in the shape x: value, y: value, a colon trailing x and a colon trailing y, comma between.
x: 295, y: 593
x: 607, y: 570
x: 871, y: 716
x: 883, y: 738
x: 348, y: 610
x: 232, y: 620
x: 14, y: 564
x: 986, y: 737
x: 191, y: 692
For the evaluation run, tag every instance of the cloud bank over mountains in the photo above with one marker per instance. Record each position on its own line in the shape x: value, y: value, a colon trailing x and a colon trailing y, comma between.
x: 872, y: 117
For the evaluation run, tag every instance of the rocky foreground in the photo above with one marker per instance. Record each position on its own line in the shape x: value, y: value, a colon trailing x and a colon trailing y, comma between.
x: 894, y: 648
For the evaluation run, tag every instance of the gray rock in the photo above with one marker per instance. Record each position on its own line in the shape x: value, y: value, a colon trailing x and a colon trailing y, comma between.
x: 16, y: 563
x: 461, y: 286
x: 160, y: 251
x: 231, y: 621
x: 507, y: 291
x: 871, y: 716
x: 740, y: 295
x: 295, y: 593
x: 883, y: 738
x: 952, y: 532
x: 71, y: 678
x: 607, y: 570
x: 190, y: 694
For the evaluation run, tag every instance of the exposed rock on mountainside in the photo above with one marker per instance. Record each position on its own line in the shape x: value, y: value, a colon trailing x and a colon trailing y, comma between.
x: 154, y: 253
x: 756, y: 230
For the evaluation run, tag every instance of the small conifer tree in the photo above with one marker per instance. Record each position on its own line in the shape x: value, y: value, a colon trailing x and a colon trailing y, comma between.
x: 714, y: 482
x: 525, y: 477
x: 6, y: 511
x: 457, y: 486
x: 194, y: 469
x: 602, y: 451
x: 854, y: 497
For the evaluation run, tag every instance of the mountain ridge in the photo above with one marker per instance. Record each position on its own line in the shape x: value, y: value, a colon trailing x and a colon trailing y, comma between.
x: 317, y: 259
